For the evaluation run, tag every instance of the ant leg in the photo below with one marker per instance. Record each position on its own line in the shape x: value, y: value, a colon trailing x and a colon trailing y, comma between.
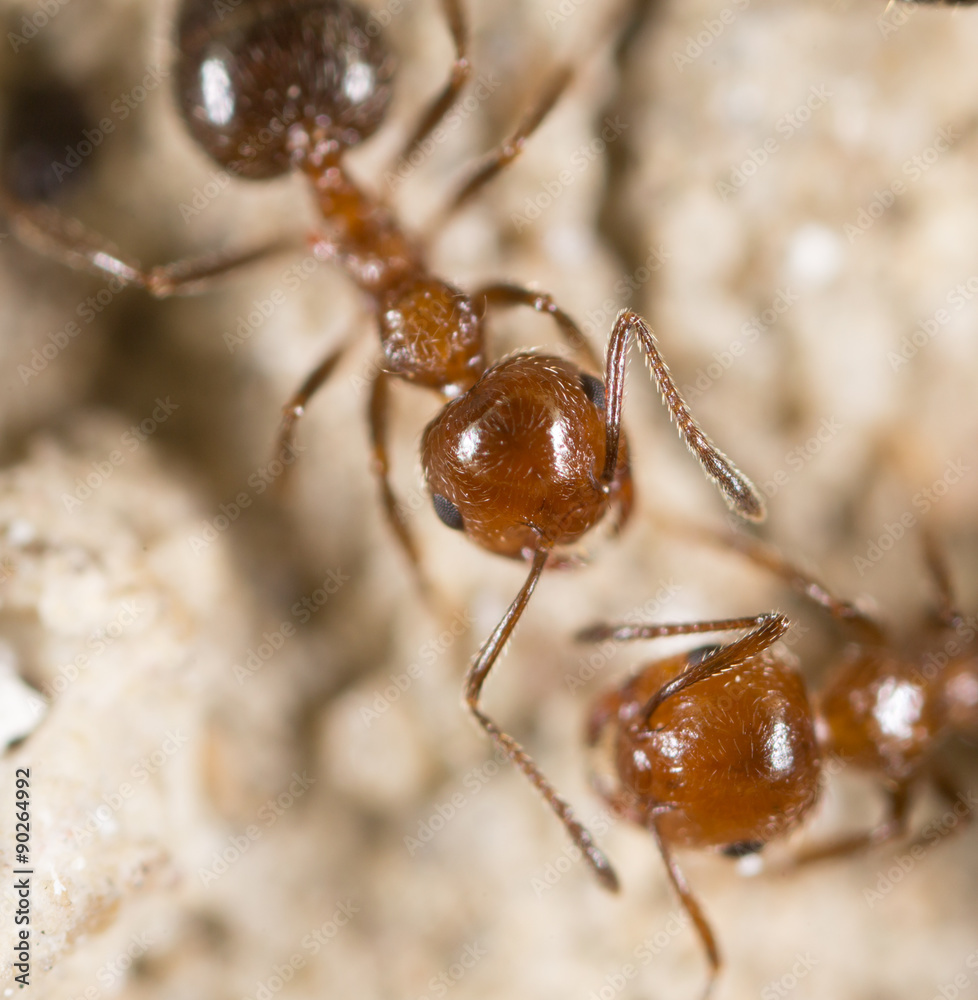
x: 510, y: 148
x: 895, y: 825
x: 67, y: 241
x: 739, y: 492
x: 474, y: 680
x: 801, y: 582
x: 952, y: 795
x: 936, y: 561
x: 690, y: 905
x: 504, y: 294
x: 285, y: 447
x: 461, y: 71
x: 379, y: 405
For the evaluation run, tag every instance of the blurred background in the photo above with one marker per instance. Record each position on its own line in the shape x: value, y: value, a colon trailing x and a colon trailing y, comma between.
x: 253, y: 776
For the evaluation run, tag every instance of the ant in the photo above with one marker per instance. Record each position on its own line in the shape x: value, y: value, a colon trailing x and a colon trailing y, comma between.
x: 527, y: 455
x: 715, y: 748
x: 889, y: 705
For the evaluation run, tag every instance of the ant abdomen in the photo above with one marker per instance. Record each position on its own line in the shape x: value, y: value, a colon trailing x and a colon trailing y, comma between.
x: 272, y: 83
x: 731, y: 760
x: 520, y: 456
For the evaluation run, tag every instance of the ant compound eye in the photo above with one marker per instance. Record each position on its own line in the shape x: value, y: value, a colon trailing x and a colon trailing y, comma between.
x: 696, y: 656
x: 447, y: 512
x: 742, y: 849
x: 594, y: 389
x: 271, y: 81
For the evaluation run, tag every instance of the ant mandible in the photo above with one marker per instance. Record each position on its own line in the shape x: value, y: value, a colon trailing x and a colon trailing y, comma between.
x: 888, y: 705
x: 715, y: 748
x: 527, y: 455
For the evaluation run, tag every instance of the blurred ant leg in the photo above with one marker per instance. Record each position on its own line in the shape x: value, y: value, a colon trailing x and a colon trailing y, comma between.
x: 379, y: 406
x: 461, y: 71
x: 953, y: 796
x: 505, y: 294
x: 801, y: 582
x: 67, y: 241
x: 935, y: 559
x: 285, y: 447
x: 895, y: 825
x: 690, y: 905
x: 475, y: 678
x: 739, y: 492
x: 507, y: 151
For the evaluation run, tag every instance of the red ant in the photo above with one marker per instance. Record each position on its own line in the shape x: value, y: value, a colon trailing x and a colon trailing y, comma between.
x: 888, y: 705
x: 527, y: 455
x: 696, y: 771
x: 715, y: 748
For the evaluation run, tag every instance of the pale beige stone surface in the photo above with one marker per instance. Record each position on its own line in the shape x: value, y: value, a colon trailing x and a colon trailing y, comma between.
x: 317, y: 759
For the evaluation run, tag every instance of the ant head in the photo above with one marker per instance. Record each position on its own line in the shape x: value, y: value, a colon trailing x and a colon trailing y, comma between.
x: 432, y: 336
x: 728, y: 761
x: 515, y: 461
x: 267, y: 84
x: 882, y: 711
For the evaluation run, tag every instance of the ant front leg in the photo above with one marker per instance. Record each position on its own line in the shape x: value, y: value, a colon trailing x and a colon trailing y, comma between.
x: 739, y: 492
x: 505, y: 294
x: 474, y: 680
x: 690, y: 905
x: 47, y: 231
